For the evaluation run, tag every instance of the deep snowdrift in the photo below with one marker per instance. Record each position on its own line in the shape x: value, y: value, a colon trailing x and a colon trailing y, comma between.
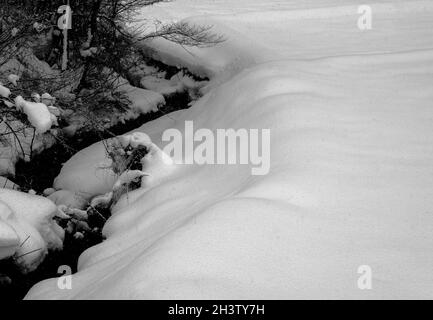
x: 351, y: 164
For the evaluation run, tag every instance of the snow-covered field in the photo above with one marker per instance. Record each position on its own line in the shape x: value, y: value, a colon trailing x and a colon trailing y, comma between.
x: 350, y: 182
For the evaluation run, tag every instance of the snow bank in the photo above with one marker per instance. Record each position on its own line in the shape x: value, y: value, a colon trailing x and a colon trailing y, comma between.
x: 27, y: 229
x: 258, y: 31
x: 351, y: 165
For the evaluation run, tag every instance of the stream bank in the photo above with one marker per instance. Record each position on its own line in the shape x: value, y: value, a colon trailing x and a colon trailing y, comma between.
x: 39, y: 174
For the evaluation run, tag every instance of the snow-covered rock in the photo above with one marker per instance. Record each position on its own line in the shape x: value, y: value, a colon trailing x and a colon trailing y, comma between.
x: 54, y: 110
x: 37, y: 113
x: 128, y: 177
x: 143, y: 100
x: 13, y: 78
x: 47, y: 99
x: 161, y: 85
x: 14, y: 32
x: 9, y: 104
x: 48, y: 191
x: 30, y: 216
x: 36, y: 97
x: 10, y: 147
x: 68, y: 198
x: 4, y: 92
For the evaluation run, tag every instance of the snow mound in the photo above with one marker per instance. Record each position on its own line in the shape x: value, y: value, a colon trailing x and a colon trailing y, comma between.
x: 30, y: 217
x: 37, y: 113
x: 84, y: 180
x: 351, y: 164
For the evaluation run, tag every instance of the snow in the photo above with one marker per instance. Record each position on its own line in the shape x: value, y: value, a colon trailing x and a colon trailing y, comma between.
x: 177, y: 83
x: 37, y: 113
x: 10, y: 148
x: 47, y: 99
x: 14, y: 32
x: 128, y: 177
x: 7, y: 184
x: 30, y: 217
x: 141, y: 100
x: 4, y: 92
x: 88, y: 52
x: 87, y: 181
x: 36, y: 97
x: 135, y: 140
x: 9, y: 240
x: 351, y: 163
x: 13, y: 78
x: 68, y: 198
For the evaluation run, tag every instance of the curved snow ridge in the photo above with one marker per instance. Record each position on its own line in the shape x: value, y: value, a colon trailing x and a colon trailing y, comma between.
x: 350, y: 185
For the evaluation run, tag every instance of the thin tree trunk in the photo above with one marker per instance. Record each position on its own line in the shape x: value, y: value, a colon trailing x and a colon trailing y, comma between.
x: 94, y: 31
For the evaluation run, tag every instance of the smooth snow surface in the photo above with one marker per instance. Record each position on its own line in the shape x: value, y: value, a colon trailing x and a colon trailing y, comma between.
x: 350, y: 114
